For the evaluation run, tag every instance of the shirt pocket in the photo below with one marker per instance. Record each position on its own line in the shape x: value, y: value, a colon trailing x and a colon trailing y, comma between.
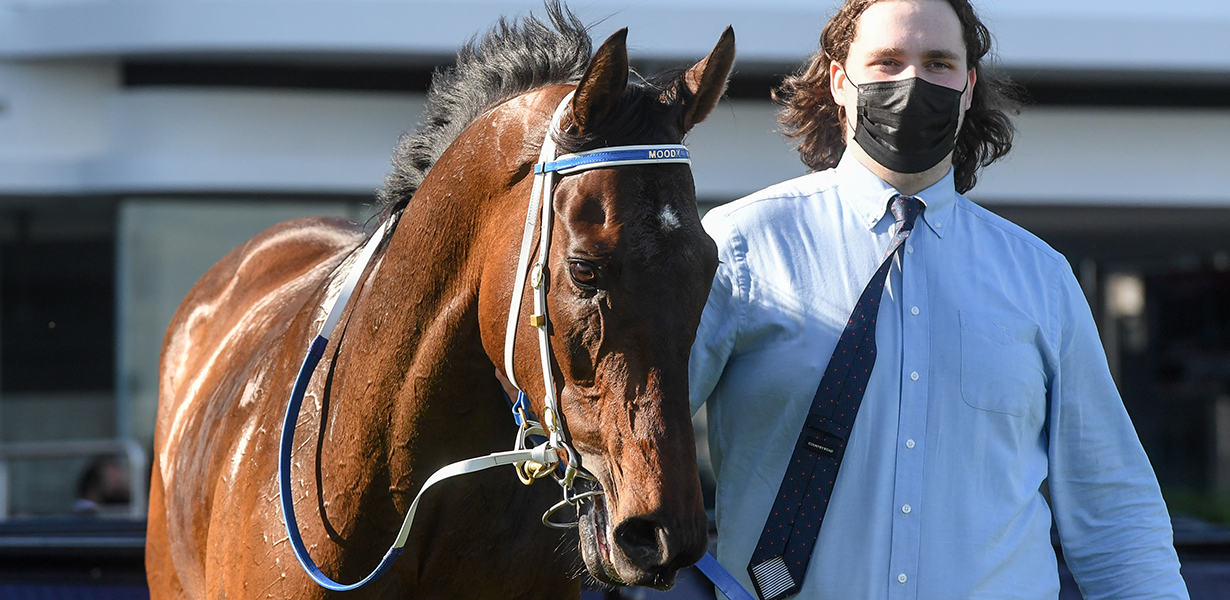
x: 1001, y: 366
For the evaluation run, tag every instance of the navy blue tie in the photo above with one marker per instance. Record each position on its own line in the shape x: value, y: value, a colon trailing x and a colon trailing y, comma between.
x: 781, y: 556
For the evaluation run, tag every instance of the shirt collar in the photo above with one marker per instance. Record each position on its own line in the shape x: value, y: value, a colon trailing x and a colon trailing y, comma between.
x: 869, y: 195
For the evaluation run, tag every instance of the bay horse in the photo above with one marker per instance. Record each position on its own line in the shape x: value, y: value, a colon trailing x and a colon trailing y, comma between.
x: 407, y: 384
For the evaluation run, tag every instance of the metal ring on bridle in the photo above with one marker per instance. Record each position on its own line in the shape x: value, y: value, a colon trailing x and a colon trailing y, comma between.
x: 573, y: 501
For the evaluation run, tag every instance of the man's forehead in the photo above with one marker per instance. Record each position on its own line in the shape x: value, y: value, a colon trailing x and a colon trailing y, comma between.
x: 928, y: 27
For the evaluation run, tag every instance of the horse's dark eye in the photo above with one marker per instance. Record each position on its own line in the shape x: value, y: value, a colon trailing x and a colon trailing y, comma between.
x: 583, y: 273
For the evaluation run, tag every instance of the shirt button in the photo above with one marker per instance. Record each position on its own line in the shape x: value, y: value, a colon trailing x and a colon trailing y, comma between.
x: 901, y: 578
x: 909, y: 249
x: 914, y: 376
x: 909, y: 444
x: 906, y: 509
x: 938, y: 225
x: 914, y: 311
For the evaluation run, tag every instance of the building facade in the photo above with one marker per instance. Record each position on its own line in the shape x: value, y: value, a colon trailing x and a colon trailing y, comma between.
x: 142, y: 140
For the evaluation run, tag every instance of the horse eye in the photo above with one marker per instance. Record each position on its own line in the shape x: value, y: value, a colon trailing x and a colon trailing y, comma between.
x: 583, y: 273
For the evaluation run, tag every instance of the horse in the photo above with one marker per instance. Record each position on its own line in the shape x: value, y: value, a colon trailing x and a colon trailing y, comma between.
x: 409, y: 381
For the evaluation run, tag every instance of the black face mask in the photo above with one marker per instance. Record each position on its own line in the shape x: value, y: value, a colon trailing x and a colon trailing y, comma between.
x: 907, y: 125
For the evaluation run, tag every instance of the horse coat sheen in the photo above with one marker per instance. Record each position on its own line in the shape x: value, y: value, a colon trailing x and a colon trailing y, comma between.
x: 407, y: 385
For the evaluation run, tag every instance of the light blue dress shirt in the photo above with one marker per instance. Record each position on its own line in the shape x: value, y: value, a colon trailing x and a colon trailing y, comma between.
x: 989, y: 380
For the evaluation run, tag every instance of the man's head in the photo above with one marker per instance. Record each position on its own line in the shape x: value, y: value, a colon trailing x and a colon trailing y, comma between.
x: 939, y: 41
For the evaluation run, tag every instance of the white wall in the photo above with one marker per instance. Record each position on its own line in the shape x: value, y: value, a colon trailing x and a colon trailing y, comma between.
x: 72, y: 132
x: 1114, y: 156
x: 1180, y: 35
x: 53, y: 116
x: 69, y: 129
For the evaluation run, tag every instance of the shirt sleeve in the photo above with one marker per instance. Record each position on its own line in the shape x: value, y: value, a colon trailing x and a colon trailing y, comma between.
x: 1113, y: 524
x: 715, y: 337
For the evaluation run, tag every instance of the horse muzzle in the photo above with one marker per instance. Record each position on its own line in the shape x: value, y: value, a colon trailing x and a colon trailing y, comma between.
x: 643, y: 550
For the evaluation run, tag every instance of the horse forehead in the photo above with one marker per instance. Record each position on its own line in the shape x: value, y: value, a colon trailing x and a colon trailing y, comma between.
x: 652, y: 197
x: 660, y: 241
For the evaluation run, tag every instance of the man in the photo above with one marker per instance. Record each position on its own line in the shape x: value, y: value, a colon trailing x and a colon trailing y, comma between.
x: 102, y: 486
x: 989, y: 379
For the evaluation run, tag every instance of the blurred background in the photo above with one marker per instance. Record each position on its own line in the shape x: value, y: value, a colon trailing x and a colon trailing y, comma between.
x: 141, y: 140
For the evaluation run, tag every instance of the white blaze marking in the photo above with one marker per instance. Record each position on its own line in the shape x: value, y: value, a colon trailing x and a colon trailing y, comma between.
x: 669, y: 219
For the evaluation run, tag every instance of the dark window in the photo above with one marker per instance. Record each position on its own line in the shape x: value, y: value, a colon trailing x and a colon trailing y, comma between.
x: 57, y: 310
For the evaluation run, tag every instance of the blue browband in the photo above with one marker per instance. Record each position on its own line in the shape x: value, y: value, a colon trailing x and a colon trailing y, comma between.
x: 617, y: 156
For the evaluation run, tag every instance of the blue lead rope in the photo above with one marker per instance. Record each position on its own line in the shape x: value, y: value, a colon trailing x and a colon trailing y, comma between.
x: 313, y: 357
x: 722, y: 579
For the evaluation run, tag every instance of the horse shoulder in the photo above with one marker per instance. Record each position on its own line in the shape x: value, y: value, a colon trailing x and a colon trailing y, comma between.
x: 224, y: 349
x: 280, y: 266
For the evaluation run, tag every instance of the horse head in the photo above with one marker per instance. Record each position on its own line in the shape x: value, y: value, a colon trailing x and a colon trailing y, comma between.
x: 628, y: 273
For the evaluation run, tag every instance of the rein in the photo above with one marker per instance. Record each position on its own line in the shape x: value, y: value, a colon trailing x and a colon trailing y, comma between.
x: 532, y: 461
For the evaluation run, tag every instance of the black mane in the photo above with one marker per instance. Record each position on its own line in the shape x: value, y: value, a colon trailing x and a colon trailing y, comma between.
x: 511, y: 59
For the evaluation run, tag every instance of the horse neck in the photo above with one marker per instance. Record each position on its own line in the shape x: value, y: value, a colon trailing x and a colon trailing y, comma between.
x: 419, y: 310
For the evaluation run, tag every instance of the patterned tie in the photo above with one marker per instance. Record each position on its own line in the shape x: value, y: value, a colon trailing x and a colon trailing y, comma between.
x: 785, y: 547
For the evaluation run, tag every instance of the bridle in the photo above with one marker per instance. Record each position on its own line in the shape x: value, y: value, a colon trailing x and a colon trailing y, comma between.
x: 533, y: 459
x: 548, y: 168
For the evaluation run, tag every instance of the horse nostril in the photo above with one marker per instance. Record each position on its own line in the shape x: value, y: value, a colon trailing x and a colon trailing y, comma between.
x: 644, y: 542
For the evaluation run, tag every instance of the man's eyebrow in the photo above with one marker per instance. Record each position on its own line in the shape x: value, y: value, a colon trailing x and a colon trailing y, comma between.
x: 886, y: 53
x: 892, y: 52
x: 947, y: 54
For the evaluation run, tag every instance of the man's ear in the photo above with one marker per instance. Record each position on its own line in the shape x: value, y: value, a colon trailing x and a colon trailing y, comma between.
x: 969, y: 94
x: 838, y: 82
x: 840, y: 88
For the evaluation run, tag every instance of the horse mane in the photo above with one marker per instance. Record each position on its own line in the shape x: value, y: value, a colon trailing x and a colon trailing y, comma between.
x: 513, y: 58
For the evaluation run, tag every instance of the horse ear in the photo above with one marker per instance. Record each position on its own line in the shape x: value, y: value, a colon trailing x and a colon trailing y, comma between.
x: 706, y: 80
x: 603, y: 83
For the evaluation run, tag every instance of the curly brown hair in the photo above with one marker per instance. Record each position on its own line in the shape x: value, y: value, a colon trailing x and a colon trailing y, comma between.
x: 810, y: 114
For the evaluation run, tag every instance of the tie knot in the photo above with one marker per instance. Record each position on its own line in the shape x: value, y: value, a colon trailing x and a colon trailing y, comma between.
x: 905, y: 209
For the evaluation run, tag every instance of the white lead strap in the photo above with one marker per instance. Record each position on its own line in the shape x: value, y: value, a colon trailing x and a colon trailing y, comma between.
x: 334, y: 310
x: 541, y: 454
x: 541, y: 190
